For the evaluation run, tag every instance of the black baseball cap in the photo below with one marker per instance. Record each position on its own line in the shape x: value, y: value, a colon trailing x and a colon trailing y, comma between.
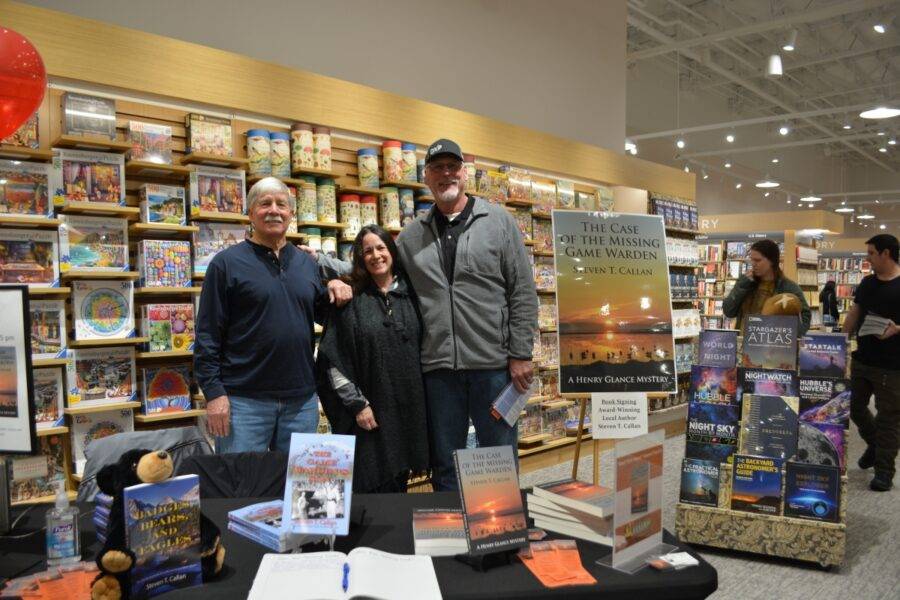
x: 443, y: 146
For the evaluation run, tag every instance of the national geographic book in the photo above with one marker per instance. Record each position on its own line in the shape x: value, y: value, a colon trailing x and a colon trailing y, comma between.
x: 770, y: 342
x: 825, y: 400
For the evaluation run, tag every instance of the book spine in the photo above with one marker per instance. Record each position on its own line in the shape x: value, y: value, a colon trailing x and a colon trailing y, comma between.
x: 462, y: 499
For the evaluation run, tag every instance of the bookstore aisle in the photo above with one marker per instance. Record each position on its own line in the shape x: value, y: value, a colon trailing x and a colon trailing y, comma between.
x: 870, y: 568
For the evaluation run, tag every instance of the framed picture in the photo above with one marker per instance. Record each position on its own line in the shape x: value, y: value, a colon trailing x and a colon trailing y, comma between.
x: 17, y: 429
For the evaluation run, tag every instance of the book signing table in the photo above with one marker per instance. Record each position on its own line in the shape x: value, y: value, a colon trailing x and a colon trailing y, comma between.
x: 386, y: 526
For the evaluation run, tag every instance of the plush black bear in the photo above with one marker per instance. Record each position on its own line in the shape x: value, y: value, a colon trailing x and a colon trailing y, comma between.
x: 115, y: 559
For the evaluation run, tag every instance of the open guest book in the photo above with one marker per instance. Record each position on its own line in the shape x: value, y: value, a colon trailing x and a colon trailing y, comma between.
x: 362, y: 573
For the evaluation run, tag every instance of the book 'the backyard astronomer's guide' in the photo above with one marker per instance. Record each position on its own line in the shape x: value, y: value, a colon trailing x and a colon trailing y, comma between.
x: 615, y: 312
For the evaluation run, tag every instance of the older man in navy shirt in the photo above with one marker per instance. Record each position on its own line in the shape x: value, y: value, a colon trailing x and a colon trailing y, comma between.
x: 253, y: 356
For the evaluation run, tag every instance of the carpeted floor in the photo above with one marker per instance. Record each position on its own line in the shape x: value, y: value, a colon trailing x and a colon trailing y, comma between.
x: 871, y: 569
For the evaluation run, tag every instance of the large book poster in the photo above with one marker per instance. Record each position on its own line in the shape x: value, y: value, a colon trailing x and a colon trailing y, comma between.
x: 615, y: 312
x: 638, y: 515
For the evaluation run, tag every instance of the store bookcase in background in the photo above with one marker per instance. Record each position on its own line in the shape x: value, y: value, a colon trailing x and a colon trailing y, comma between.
x: 847, y: 272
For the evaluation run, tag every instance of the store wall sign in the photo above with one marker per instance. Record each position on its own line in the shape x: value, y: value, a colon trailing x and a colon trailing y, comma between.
x: 613, y: 303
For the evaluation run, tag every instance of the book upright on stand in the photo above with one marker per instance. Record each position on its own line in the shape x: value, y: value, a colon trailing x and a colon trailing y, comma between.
x: 770, y: 342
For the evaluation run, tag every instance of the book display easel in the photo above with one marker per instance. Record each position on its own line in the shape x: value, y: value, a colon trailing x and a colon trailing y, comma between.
x: 764, y: 468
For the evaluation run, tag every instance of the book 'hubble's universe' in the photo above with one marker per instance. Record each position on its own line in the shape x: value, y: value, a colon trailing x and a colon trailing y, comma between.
x: 825, y: 400
x: 770, y: 342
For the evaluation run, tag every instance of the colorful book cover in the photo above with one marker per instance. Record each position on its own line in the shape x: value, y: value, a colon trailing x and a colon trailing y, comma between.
x: 580, y: 495
x: 103, y: 309
x: 542, y: 234
x: 49, y: 397
x: 715, y: 453
x: 162, y: 204
x: 89, y: 115
x: 522, y: 216
x: 637, y: 520
x: 29, y: 256
x: 208, y: 135
x: 812, y: 492
x: 93, y: 244
x: 493, y: 515
x: 821, y: 444
x: 87, y: 427
x: 770, y: 342
x: 825, y: 400
x: 553, y: 421
x: 150, y: 142
x: 438, y: 531
x: 24, y: 191
x: 718, y: 348
x: 48, y: 328
x: 586, y: 201
x: 319, y: 484
x: 768, y: 382
x: 101, y: 376
x: 543, y: 194
x: 712, y: 423
x: 26, y: 135
x: 699, y: 482
x: 83, y: 176
x: 170, y: 327
x: 162, y: 528
x: 166, y: 389
x: 565, y: 194
x: 756, y: 485
x: 164, y: 263
x: 769, y: 426
x: 212, y: 239
x: 823, y: 355
x: 714, y: 384
x: 41, y: 475
x: 217, y: 190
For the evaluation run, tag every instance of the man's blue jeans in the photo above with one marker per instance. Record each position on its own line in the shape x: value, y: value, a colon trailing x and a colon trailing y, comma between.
x: 257, y: 424
x: 453, y: 397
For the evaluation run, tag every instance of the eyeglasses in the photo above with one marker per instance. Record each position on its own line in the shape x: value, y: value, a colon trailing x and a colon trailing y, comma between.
x: 440, y: 167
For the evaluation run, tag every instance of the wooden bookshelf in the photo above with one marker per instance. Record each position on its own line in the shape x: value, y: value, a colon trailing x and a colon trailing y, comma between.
x: 94, y: 143
x: 49, y: 291
x: 166, y: 291
x: 132, y: 341
x: 32, y: 222
x: 170, y: 354
x: 296, y: 237
x: 322, y: 225
x: 102, y: 209
x: 140, y: 168
x: 95, y: 408
x: 251, y: 179
x: 412, y: 185
x: 38, y: 363
x: 214, y: 160
x: 46, y: 431
x: 170, y: 416
x: 157, y: 229
x: 356, y: 189
x: 85, y: 274
x: 219, y: 217
x: 314, y: 172
x: 10, y: 152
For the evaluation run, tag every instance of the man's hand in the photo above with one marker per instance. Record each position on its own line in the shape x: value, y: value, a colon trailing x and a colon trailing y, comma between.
x: 218, y: 416
x: 891, y: 330
x: 309, y: 250
x: 339, y: 293
x: 366, y: 419
x: 522, y: 373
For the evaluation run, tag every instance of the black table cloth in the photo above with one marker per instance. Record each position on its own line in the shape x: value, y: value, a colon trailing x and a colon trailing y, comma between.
x: 387, y: 526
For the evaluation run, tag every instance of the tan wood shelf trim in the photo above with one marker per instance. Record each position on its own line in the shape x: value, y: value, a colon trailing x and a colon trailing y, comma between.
x: 322, y: 225
x: 170, y: 416
x: 296, y: 237
x: 166, y: 291
x: 95, y: 408
x: 49, y: 291
x: 313, y: 171
x: 161, y: 229
x: 91, y: 142
x: 84, y: 274
x: 141, y: 168
x: 547, y: 291
x: 251, y: 179
x: 207, y: 215
x: 543, y: 253
x: 39, y: 363
x: 411, y: 185
x: 45, y: 431
x: 163, y: 355
x: 75, y: 207
x: 21, y: 153
x: 531, y: 440
x: 29, y: 221
x: 356, y: 189
x: 214, y: 160
x: 47, y: 499
x: 132, y: 341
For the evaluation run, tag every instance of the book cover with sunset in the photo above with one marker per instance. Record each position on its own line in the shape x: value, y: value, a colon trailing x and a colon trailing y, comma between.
x: 580, y: 495
x: 615, y: 313
x: 492, y: 503
x: 757, y: 484
x: 638, y: 504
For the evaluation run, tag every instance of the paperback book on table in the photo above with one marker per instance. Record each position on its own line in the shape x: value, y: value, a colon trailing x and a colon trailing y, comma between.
x: 572, y: 493
x: 769, y: 426
x: 438, y: 531
x: 812, y: 492
x: 770, y: 342
x: 756, y: 485
x: 493, y: 515
x: 261, y: 522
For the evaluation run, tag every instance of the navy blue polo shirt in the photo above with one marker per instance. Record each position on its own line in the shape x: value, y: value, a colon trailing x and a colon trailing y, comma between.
x: 254, y: 326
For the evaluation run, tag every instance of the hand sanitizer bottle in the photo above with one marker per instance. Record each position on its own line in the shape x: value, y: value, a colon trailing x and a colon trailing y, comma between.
x: 63, y: 541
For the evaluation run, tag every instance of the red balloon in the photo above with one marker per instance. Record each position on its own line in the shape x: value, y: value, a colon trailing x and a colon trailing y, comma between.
x: 23, y: 81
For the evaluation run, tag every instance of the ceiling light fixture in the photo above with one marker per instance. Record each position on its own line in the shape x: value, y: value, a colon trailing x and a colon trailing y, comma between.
x: 704, y: 173
x: 879, y: 28
x: 880, y: 133
x: 790, y: 41
x: 738, y: 185
x: 784, y: 130
x: 865, y: 217
x: 882, y: 226
x: 766, y: 195
x: 882, y: 149
x: 729, y: 138
x: 844, y: 209
x: 687, y: 169
x: 773, y: 66
x: 847, y: 126
x: 630, y: 147
x: 767, y: 183
x: 727, y: 164
x: 775, y: 161
x: 810, y: 198
x: 880, y: 112
x: 679, y: 143
x: 892, y: 141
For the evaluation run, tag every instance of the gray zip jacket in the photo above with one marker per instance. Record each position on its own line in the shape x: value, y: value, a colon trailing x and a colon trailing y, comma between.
x: 489, y: 314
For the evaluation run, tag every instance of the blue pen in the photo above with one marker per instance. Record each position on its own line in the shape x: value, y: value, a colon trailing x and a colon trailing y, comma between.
x: 346, y: 582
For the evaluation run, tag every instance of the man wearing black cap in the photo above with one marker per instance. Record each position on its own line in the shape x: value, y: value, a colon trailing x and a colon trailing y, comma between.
x: 466, y: 261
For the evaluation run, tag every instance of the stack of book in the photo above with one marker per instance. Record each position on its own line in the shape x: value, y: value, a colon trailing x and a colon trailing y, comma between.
x: 439, y: 531
x: 102, y: 504
x: 573, y: 508
x: 262, y: 524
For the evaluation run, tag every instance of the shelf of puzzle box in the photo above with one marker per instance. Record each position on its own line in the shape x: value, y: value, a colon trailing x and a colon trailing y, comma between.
x: 519, y: 202
x: 49, y: 291
x: 221, y: 217
x: 689, y: 267
x: 313, y: 171
x: 168, y: 354
x: 547, y: 291
x: 391, y: 230
x: 531, y: 440
x: 158, y: 229
x: 45, y: 431
x: 214, y: 160
x: 103, y: 209
x: 21, y: 153
x: 412, y: 185
x: 322, y: 225
x: 30, y: 221
x: 130, y: 341
x: 548, y: 329
x: 543, y: 253
x: 170, y: 416
x: 356, y: 189
x: 426, y: 198
x: 103, y: 407
x: 166, y: 290
x: 141, y: 168
x: 38, y: 363
x: 538, y: 399
x: 94, y: 143
x: 88, y: 274
x: 539, y: 214
x: 73, y: 495
x: 558, y: 403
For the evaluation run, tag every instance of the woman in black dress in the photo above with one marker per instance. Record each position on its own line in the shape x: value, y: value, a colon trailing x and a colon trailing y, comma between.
x: 369, y: 377
x: 829, y: 304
